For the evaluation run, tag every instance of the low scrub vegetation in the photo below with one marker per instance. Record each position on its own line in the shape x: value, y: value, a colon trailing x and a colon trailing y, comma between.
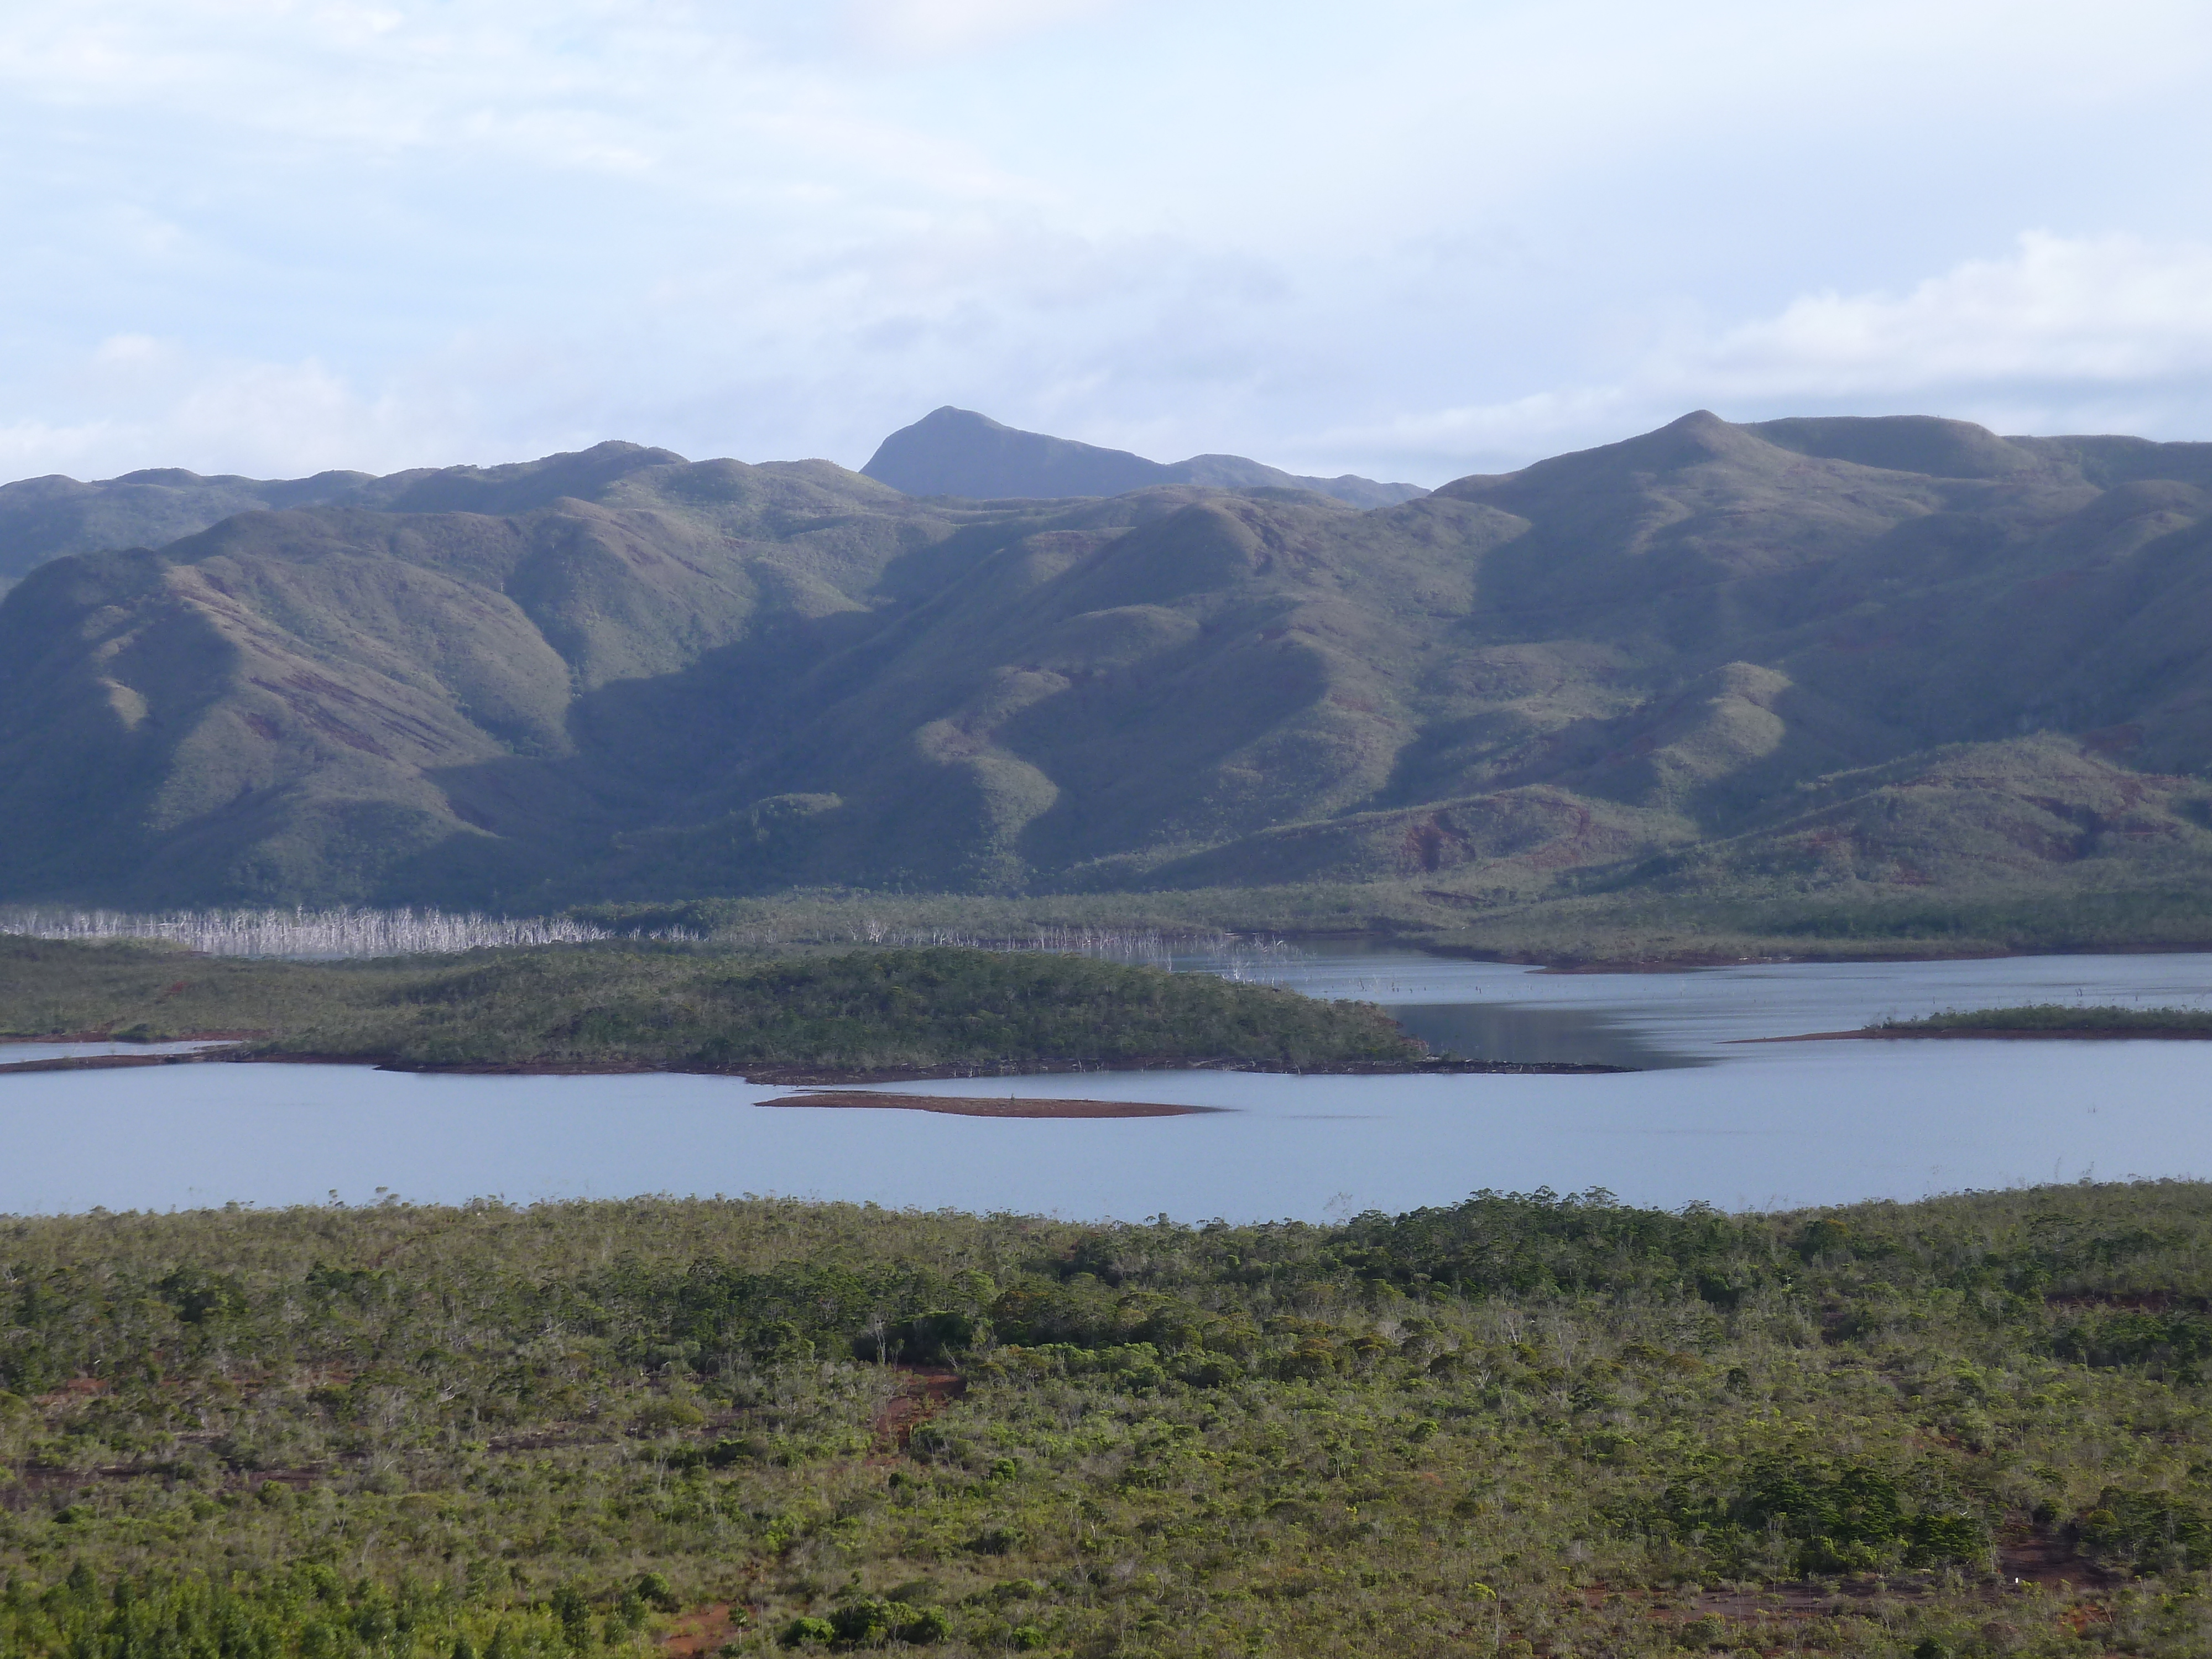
x: 1520, y: 1424
x: 2055, y: 1017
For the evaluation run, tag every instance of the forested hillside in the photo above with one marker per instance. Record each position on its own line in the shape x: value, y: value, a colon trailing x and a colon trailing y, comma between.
x: 1837, y: 663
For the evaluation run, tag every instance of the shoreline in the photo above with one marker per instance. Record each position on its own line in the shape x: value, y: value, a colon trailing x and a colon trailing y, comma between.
x: 793, y: 1075
x: 95, y: 1062
x: 1689, y: 961
x: 1012, y: 1106
x: 811, y: 1076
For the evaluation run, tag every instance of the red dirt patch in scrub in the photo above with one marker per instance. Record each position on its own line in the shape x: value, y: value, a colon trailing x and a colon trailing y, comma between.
x: 923, y: 1391
x: 703, y: 1630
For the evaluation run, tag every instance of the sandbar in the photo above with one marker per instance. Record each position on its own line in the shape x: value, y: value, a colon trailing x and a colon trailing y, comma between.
x: 993, y: 1105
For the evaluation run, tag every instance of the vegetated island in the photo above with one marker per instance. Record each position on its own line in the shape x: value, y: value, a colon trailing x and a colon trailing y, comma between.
x: 856, y: 1016
x: 2041, y: 1019
x: 1519, y: 1424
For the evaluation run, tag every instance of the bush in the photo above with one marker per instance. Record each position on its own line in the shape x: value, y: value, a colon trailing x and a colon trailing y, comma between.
x: 866, y: 1621
x: 926, y: 1624
x: 665, y: 1413
x: 926, y: 1339
x: 2149, y: 1527
x: 1836, y: 1518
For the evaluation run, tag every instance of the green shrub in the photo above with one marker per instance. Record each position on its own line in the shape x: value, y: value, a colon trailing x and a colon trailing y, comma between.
x: 2152, y: 1527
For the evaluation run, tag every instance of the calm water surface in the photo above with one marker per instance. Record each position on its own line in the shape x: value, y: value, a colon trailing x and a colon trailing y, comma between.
x: 1713, y: 1117
x: 19, y: 1054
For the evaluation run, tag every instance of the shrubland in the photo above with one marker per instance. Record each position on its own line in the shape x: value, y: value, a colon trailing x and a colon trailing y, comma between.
x: 1522, y: 1424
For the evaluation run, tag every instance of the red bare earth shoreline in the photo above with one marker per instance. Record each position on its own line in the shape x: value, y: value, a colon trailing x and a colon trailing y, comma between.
x: 989, y: 1106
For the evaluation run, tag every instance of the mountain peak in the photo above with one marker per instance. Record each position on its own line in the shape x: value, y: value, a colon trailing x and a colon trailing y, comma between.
x: 956, y: 451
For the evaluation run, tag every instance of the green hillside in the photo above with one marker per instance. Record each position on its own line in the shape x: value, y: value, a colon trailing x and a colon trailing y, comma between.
x: 1817, y: 668
x: 1518, y: 1425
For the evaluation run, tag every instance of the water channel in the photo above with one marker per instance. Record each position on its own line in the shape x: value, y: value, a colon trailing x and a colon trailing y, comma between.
x: 1713, y: 1114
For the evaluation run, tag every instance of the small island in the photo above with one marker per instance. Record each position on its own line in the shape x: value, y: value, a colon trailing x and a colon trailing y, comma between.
x: 813, y: 1018
x: 2052, y: 1019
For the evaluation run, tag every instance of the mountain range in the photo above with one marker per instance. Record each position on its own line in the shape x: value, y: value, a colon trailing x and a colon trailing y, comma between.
x: 1828, y: 657
x: 951, y: 452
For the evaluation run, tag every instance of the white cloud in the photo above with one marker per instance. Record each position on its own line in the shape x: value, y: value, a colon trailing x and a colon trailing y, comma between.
x: 932, y: 27
x: 32, y: 449
x: 2094, y: 311
x: 128, y: 350
x: 1411, y: 238
x: 160, y: 406
x: 2062, y: 334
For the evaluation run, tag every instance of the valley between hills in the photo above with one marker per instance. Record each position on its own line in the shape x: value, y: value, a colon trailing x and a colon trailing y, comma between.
x: 1802, y: 687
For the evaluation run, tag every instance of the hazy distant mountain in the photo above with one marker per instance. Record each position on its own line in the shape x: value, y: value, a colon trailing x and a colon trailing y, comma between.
x: 1850, y: 656
x: 956, y: 452
x: 41, y: 519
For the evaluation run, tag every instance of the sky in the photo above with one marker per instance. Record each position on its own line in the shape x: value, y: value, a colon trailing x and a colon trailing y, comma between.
x: 1403, y: 237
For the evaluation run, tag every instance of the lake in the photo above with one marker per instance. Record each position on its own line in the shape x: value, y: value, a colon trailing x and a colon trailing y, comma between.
x: 23, y: 1054
x: 1712, y: 1116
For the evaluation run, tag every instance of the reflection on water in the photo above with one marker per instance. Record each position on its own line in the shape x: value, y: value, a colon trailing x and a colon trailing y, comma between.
x: 1696, y: 1016
x: 1716, y: 1117
x: 1531, y: 1037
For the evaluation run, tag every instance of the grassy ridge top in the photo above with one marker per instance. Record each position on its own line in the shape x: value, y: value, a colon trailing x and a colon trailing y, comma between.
x: 868, y: 1010
x: 1523, y: 1423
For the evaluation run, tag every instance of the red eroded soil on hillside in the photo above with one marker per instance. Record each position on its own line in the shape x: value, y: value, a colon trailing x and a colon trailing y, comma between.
x: 703, y: 1630
x: 923, y: 1391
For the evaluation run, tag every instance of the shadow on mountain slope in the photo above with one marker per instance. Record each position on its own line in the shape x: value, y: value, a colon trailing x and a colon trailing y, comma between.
x: 1815, y: 656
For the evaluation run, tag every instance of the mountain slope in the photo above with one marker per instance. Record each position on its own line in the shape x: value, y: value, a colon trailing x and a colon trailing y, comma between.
x: 1712, y: 659
x: 956, y: 452
x: 43, y: 519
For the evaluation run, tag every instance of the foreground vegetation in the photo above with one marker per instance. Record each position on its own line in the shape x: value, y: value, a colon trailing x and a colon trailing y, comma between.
x: 2055, y: 1017
x: 1975, y: 1425
x: 630, y: 1005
